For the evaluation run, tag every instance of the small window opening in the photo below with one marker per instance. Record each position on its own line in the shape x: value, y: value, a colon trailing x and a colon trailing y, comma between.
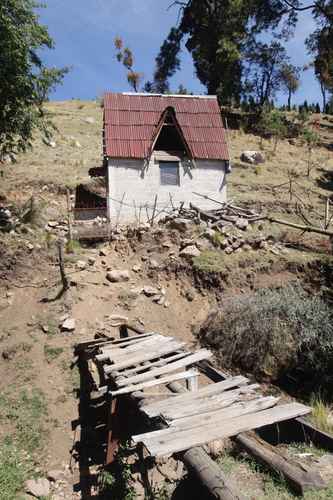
x: 169, y: 173
x: 169, y: 140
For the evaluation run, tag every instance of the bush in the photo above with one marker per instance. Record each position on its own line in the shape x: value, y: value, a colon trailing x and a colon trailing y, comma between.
x: 273, y: 332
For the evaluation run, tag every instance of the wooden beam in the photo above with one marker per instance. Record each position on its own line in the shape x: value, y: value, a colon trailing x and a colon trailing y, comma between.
x: 299, y: 480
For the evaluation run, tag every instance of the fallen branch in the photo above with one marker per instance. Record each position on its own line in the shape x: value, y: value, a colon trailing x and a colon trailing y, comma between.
x: 306, y: 229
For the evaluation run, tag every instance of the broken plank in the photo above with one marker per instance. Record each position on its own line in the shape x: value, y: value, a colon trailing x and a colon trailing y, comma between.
x: 147, y: 354
x: 235, y: 410
x: 189, y: 360
x: 193, y: 437
x: 201, y: 406
x: 209, y: 390
x: 156, y: 381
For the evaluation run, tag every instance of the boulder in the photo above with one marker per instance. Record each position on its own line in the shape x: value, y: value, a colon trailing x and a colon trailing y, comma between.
x: 118, y: 275
x: 253, y: 157
x: 39, y: 488
x: 190, y: 252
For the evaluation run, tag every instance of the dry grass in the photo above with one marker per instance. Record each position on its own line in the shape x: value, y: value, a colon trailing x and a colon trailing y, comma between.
x: 321, y: 415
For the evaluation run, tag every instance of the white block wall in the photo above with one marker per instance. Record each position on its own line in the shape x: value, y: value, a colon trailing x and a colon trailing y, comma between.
x: 130, y: 183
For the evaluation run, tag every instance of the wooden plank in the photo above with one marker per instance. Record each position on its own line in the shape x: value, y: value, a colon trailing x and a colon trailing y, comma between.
x: 131, y: 338
x: 189, y: 360
x: 209, y: 390
x: 146, y: 355
x: 153, y: 364
x: 118, y: 350
x: 194, y: 437
x: 155, y: 409
x: 152, y: 383
x: 235, y: 410
x: 201, y: 406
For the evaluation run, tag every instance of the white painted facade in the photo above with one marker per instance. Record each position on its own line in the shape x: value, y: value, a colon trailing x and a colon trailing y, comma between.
x: 131, y: 186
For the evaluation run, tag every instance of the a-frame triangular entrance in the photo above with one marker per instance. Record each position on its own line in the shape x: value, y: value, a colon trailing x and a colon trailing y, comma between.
x: 168, y: 136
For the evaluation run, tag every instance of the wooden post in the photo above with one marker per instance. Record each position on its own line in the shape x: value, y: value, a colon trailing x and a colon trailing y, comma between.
x: 113, y: 430
x: 70, y: 233
x: 192, y: 383
x: 64, y: 279
x: 327, y: 213
x: 154, y: 212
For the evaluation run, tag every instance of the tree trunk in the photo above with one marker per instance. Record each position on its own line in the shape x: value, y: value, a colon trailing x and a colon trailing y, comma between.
x: 289, y: 100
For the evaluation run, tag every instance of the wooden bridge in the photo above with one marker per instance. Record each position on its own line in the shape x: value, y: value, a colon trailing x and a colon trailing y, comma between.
x: 148, y: 368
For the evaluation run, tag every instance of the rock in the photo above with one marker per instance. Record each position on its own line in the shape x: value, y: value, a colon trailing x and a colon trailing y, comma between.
x: 166, y: 244
x: 102, y: 253
x: 149, y: 291
x: 190, y: 295
x: 81, y: 264
x: 228, y: 250
x: 166, y: 304
x: 45, y: 328
x: 236, y: 244
x: 38, y: 487
x: 48, y: 142
x: 186, y: 243
x: 118, y: 275
x: 190, y: 252
x: 209, y: 233
x: 153, y: 264
x: 242, y: 224
x: 77, y: 144
x: 89, y: 119
x: 116, y: 320
x: 144, y: 258
x: 157, y: 297
x: 247, y: 247
x: 181, y: 225
x: 30, y: 247
x: 55, y: 475
x: 263, y: 245
x: 136, y: 268
x: 253, y: 157
x: 68, y: 325
x: 292, y: 142
x: 91, y: 261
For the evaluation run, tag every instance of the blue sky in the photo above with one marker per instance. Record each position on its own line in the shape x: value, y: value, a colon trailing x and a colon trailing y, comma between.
x: 84, y: 30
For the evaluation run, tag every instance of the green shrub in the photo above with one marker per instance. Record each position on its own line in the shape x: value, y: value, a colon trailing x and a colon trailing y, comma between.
x: 273, y: 332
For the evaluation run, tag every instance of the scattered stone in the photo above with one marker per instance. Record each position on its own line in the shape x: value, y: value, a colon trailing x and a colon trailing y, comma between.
x: 253, y: 157
x: 118, y: 275
x: 166, y: 304
x: 150, y: 291
x: 190, y: 252
x: 48, y: 142
x: 136, y: 268
x: 209, y: 233
x: 181, y: 225
x: 292, y: 142
x: 236, y: 244
x: 116, y: 319
x: 242, y: 224
x: 157, y: 297
x: 89, y: 119
x: 186, y: 243
x: 30, y: 247
x: 102, y: 253
x: 77, y: 144
x: 228, y: 250
x: 166, y: 244
x: 144, y: 258
x: 161, y: 301
x: 247, y: 247
x: 68, y: 325
x: 45, y: 328
x: 190, y: 295
x: 55, y: 475
x: 81, y: 264
x: 38, y: 487
x: 91, y: 261
x: 263, y: 244
x: 153, y: 264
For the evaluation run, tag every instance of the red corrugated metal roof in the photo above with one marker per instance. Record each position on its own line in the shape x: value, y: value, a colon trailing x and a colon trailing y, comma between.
x: 130, y: 122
